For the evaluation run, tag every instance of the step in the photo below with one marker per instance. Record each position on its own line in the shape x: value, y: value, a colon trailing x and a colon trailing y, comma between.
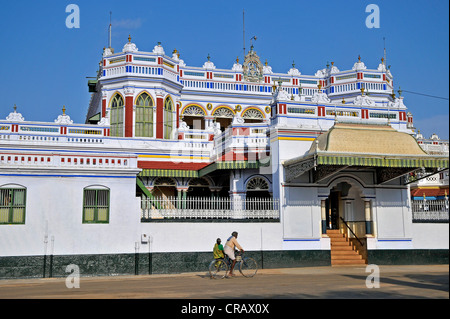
x: 333, y: 231
x: 340, y: 243
x: 333, y: 235
x: 344, y: 252
x: 348, y: 262
x: 339, y: 240
x: 346, y: 257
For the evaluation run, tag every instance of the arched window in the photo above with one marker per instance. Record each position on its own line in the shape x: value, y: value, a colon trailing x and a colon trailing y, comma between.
x: 144, y: 116
x: 116, y: 116
x: 12, y: 204
x: 253, y: 116
x: 198, y: 187
x: 257, y: 184
x: 96, y: 204
x: 194, y: 115
x: 168, y: 118
x: 165, y: 191
x: 258, y: 196
x: 224, y: 116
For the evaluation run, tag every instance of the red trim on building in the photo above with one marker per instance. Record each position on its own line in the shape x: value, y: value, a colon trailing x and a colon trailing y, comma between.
x: 321, y: 110
x: 429, y: 192
x: 178, y: 115
x: 128, y: 116
x: 364, y: 114
x: 159, y: 117
x: 103, y: 107
x: 402, y: 116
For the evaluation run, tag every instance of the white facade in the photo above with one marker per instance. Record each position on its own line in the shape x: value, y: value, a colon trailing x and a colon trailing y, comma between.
x: 267, y: 118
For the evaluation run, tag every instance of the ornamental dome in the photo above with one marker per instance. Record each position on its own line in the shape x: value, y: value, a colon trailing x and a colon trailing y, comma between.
x: 209, y: 65
x: 158, y: 49
x: 130, y: 47
x: 237, y: 67
x: 64, y: 118
x: 359, y: 65
x: 293, y: 71
x: 14, y: 116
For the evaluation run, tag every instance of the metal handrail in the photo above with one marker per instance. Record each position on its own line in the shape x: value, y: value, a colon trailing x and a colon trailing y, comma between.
x: 351, y: 231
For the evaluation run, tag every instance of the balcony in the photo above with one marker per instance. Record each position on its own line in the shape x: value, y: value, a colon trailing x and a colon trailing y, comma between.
x: 430, y: 211
x: 198, y: 209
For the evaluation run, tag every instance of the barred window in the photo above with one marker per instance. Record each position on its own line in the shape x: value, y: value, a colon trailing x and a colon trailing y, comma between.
x: 116, y: 117
x: 96, y: 206
x: 144, y: 116
x: 12, y: 205
x: 168, y: 118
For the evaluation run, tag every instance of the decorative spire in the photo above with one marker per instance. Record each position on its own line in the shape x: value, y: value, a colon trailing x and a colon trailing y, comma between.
x: 399, y: 91
x: 209, y: 65
x: 14, y: 116
x: 129, y: 38
x: 64, y: 118
x: 359, y: 58
x: 175, y: 54
x: 237, y: 59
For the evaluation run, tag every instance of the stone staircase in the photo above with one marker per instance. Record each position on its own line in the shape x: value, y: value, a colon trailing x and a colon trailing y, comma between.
x: 344, y: 252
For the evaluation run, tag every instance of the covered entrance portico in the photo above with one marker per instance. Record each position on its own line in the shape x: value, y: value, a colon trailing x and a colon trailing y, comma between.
x: 346, y: 200
x: 358, y: 172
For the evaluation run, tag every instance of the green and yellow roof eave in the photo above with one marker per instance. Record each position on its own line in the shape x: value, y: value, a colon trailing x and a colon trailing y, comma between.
x: 202, y: 172
x: 382, y: 161
x: 396, y: 165
x: 167, y: 173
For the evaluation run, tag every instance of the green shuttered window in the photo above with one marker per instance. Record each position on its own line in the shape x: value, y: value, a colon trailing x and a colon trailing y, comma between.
x: 96, y: 206
x: 12, y: 205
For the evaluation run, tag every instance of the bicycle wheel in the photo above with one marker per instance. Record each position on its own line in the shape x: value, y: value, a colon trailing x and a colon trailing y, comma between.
x: 248, y: 267
x: 218, y: 269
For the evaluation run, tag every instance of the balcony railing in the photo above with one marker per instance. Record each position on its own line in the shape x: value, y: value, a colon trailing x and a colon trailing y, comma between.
x: 205, y: 208
x: 430, y: 211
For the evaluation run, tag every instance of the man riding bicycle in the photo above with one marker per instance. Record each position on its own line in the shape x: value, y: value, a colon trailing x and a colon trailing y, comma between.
x: 230, y: 245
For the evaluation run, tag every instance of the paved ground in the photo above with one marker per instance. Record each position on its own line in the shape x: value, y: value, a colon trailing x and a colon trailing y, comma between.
x: 310, y: 282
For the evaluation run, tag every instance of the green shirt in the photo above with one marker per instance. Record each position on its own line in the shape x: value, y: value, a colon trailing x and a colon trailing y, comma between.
x: 218, y: 251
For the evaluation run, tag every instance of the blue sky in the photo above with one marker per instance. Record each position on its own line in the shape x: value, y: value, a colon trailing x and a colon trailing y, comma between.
x: 44, y: 64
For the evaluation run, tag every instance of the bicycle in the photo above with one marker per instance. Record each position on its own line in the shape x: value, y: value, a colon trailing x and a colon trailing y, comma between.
x: 218, y: 268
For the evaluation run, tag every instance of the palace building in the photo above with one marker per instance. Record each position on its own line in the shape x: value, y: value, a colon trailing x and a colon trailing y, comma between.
x: 309, y: 169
